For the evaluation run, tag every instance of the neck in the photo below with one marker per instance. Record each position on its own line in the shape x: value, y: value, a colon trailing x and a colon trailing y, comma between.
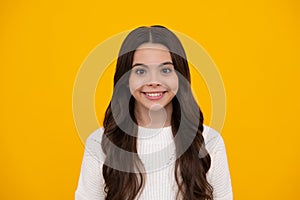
x: 156, y: 117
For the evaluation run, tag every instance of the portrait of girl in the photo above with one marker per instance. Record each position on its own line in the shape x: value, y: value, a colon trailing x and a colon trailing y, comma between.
x: 153, y: 144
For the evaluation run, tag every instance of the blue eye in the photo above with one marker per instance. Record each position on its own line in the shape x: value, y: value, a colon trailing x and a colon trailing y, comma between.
x: 140, y: 71
x: 166, y: 70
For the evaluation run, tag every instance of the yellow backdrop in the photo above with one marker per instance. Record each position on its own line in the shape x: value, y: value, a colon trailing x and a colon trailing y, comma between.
x: 255, y: 45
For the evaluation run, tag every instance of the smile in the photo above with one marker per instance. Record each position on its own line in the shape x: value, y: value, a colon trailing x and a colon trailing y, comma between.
x: 153, y: 95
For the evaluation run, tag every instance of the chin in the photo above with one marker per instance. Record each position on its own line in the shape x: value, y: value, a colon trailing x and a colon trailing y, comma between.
x: 156, y: 107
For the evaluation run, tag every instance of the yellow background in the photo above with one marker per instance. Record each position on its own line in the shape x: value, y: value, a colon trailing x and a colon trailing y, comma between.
x: 255, y: 45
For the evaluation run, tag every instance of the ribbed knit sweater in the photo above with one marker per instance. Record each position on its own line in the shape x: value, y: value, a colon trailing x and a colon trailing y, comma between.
x: 160, y: 179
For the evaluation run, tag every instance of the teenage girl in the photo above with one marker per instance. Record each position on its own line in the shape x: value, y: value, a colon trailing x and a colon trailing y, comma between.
x: 153, y: 144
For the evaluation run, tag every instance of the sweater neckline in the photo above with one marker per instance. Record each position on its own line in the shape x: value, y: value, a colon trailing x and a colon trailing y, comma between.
x: 144, y: 132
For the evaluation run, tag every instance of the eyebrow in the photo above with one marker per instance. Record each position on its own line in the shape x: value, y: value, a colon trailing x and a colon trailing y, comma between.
x: 160, y: 65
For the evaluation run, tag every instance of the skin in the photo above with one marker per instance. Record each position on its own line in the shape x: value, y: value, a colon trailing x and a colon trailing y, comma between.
x: 153, y: 83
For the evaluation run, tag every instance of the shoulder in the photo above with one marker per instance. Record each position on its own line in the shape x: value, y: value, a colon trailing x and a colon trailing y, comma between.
x: 218, y: 174
x: 213, y: 139
x: 91, y: 182
x: 93, y: 145
x: 95, y: 136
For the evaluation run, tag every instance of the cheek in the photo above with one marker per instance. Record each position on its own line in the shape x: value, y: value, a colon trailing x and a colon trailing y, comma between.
x: 134, y: 84
x: 173, y: 84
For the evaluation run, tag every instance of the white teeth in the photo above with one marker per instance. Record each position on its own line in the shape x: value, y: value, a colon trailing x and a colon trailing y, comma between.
x: 153, y: 94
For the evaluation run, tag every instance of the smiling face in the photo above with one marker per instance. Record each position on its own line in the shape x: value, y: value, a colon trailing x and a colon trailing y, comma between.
x: 153, y: 81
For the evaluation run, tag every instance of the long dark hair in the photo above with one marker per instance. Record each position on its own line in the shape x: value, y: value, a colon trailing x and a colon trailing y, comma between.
x: 187, y: 125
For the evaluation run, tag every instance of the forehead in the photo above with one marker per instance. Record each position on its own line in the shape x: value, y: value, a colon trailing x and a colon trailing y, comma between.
x: 150, y: 53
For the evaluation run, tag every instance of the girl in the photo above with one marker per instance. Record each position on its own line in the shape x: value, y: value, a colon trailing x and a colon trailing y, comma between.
x: 153, y: 144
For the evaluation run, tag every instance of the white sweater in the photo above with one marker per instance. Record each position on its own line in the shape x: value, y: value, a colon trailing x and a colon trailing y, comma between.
x: 160, y: 181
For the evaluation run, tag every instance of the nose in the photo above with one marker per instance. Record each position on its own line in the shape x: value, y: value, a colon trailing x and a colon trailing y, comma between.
x: 154, y: 80
x: 154, y: 84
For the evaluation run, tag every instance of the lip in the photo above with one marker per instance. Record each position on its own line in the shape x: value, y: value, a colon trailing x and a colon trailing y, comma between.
x: 154, y: 95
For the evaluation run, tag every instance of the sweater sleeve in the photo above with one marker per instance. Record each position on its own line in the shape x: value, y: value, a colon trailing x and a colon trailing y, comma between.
x: 218, y: 174
x: 91, y: 182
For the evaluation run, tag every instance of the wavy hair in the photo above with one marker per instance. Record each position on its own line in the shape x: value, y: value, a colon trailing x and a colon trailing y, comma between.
x: 187, y: 125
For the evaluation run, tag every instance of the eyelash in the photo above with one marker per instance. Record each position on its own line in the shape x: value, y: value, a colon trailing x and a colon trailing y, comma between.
x: 165, y: 70
x: 138, y: 71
